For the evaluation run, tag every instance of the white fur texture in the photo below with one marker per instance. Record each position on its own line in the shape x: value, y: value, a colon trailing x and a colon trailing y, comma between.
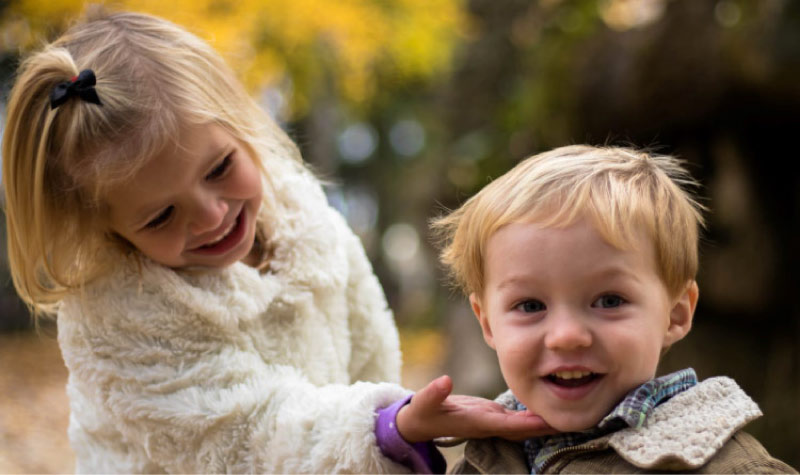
x: 232, y: 370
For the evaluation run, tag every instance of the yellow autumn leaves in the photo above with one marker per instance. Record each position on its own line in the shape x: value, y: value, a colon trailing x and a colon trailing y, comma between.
x: 347, y: 44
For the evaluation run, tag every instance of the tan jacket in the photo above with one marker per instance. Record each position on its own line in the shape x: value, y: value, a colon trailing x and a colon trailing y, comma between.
x: 697, y: 431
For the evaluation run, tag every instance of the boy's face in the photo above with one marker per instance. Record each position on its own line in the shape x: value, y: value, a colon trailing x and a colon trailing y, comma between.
x: 576, y: 322
x: 192, y: 205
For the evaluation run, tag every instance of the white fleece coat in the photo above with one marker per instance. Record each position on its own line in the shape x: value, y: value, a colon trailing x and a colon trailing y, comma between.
x: 232, y: 370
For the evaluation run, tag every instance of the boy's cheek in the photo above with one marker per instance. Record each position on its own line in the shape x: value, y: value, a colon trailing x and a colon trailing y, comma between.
x: 515, y: 341
x: 517, y: 366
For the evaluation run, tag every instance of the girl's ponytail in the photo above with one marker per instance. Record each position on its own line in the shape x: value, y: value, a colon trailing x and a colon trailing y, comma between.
x: 40, y: 201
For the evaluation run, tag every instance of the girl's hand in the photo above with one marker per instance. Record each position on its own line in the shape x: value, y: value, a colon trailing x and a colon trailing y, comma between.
x: 433, y: 413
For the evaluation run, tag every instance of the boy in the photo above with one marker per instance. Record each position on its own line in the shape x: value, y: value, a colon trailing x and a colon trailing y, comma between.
x: 580, y: 266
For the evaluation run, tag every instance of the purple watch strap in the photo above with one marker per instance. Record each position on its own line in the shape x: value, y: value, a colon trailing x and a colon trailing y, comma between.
x: 420, y: 457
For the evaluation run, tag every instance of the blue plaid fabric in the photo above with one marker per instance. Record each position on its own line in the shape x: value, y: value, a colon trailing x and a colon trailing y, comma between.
x: 631, y: 412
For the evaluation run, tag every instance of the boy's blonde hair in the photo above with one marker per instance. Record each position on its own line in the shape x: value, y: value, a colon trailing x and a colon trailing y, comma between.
x: 621, y: 190
x: 153, y: 79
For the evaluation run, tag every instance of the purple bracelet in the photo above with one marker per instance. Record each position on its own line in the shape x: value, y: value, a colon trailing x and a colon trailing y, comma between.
x: 420, y: 457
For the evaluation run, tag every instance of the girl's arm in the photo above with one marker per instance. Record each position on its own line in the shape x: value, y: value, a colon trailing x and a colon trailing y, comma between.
x: 434, y: 412
x: 172, y: 403
x: 228, y: 374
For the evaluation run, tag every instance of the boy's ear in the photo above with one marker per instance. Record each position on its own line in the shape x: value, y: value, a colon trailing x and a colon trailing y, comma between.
x: 681, y: 314
x: 483, y: 318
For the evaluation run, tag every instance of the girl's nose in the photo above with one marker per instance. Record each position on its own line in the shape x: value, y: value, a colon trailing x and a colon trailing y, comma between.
x: 566, y: 332
x: 208, y: 214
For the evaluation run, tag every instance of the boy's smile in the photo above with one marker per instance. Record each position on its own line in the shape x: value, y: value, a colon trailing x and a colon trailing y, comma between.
x: 576, y: 322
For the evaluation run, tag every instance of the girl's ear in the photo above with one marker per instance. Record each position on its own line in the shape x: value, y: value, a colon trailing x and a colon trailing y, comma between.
x: 483, y: 319
x: 681, y: 314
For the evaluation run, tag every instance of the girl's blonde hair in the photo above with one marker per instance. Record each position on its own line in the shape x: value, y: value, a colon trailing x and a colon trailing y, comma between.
x: 153, y: 79
x: 622, y: 191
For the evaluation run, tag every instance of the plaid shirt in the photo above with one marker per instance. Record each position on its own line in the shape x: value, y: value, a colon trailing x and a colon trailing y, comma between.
x: 631, y: 412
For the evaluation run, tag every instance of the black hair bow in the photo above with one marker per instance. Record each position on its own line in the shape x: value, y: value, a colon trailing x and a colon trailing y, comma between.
x: 81, y: 85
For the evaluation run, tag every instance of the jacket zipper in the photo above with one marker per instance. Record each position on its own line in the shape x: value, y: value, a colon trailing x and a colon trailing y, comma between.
x: 575, y: 448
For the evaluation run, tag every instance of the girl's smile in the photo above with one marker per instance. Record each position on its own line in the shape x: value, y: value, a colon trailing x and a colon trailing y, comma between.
x: 194, y: 204
x: 229, y: 237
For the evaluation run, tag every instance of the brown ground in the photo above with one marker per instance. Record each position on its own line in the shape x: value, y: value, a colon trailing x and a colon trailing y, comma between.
x: 33, y: 406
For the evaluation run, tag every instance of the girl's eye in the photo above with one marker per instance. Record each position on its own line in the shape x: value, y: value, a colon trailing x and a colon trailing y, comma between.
x: 161, y: 218
x: 530, y: 306
x: 220, y: 169
x: 608, y: 301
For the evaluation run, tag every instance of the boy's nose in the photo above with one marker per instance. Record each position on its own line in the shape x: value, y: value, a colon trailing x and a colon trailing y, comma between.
x: 567, y: 332
x: 209, y: 213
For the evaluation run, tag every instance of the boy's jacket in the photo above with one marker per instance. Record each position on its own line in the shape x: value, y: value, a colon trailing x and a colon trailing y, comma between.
x: 696, y: 431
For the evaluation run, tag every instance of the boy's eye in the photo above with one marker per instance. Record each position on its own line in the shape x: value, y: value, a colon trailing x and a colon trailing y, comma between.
x: 161, y: 218
x: 608, y: 301
x: 530, y: 306
x: 220, y: 169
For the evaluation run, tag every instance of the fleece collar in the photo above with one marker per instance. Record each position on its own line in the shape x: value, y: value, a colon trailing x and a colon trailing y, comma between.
x: 686, y: 431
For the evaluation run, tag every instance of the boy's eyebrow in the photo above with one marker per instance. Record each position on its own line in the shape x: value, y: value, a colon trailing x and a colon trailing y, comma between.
x: 614, y: 274
x: 515, y: 280
x: 615, y: 271
x: 610, y: 272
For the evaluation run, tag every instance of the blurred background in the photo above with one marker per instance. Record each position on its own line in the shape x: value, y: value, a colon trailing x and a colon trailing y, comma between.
x: 408, y: 107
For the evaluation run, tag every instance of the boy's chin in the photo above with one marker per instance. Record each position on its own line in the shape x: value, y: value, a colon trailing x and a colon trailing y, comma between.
x: 571, y: 422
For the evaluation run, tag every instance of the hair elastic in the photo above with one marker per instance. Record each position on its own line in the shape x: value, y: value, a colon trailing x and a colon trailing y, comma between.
x: 81, y: 85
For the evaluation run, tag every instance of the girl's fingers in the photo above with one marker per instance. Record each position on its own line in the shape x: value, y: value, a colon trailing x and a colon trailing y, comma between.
x: 519, y: 428
x: 419, y: 420
x: 433, y: 395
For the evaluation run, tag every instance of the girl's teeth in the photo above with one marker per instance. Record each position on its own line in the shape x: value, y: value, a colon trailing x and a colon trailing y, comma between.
x: 572, y: 374
x: 224, y: 235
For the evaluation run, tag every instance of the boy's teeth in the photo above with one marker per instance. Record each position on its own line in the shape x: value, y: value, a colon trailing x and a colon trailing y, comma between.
x: 571, y: 374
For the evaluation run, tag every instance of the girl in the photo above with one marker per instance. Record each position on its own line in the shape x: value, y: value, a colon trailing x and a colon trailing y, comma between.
x: 214, y: 313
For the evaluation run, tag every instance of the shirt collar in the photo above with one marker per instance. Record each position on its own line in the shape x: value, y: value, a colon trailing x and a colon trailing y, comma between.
x: 639, y: 403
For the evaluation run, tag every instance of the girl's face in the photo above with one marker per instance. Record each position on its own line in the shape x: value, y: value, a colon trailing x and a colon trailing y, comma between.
x: 194, y: 204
